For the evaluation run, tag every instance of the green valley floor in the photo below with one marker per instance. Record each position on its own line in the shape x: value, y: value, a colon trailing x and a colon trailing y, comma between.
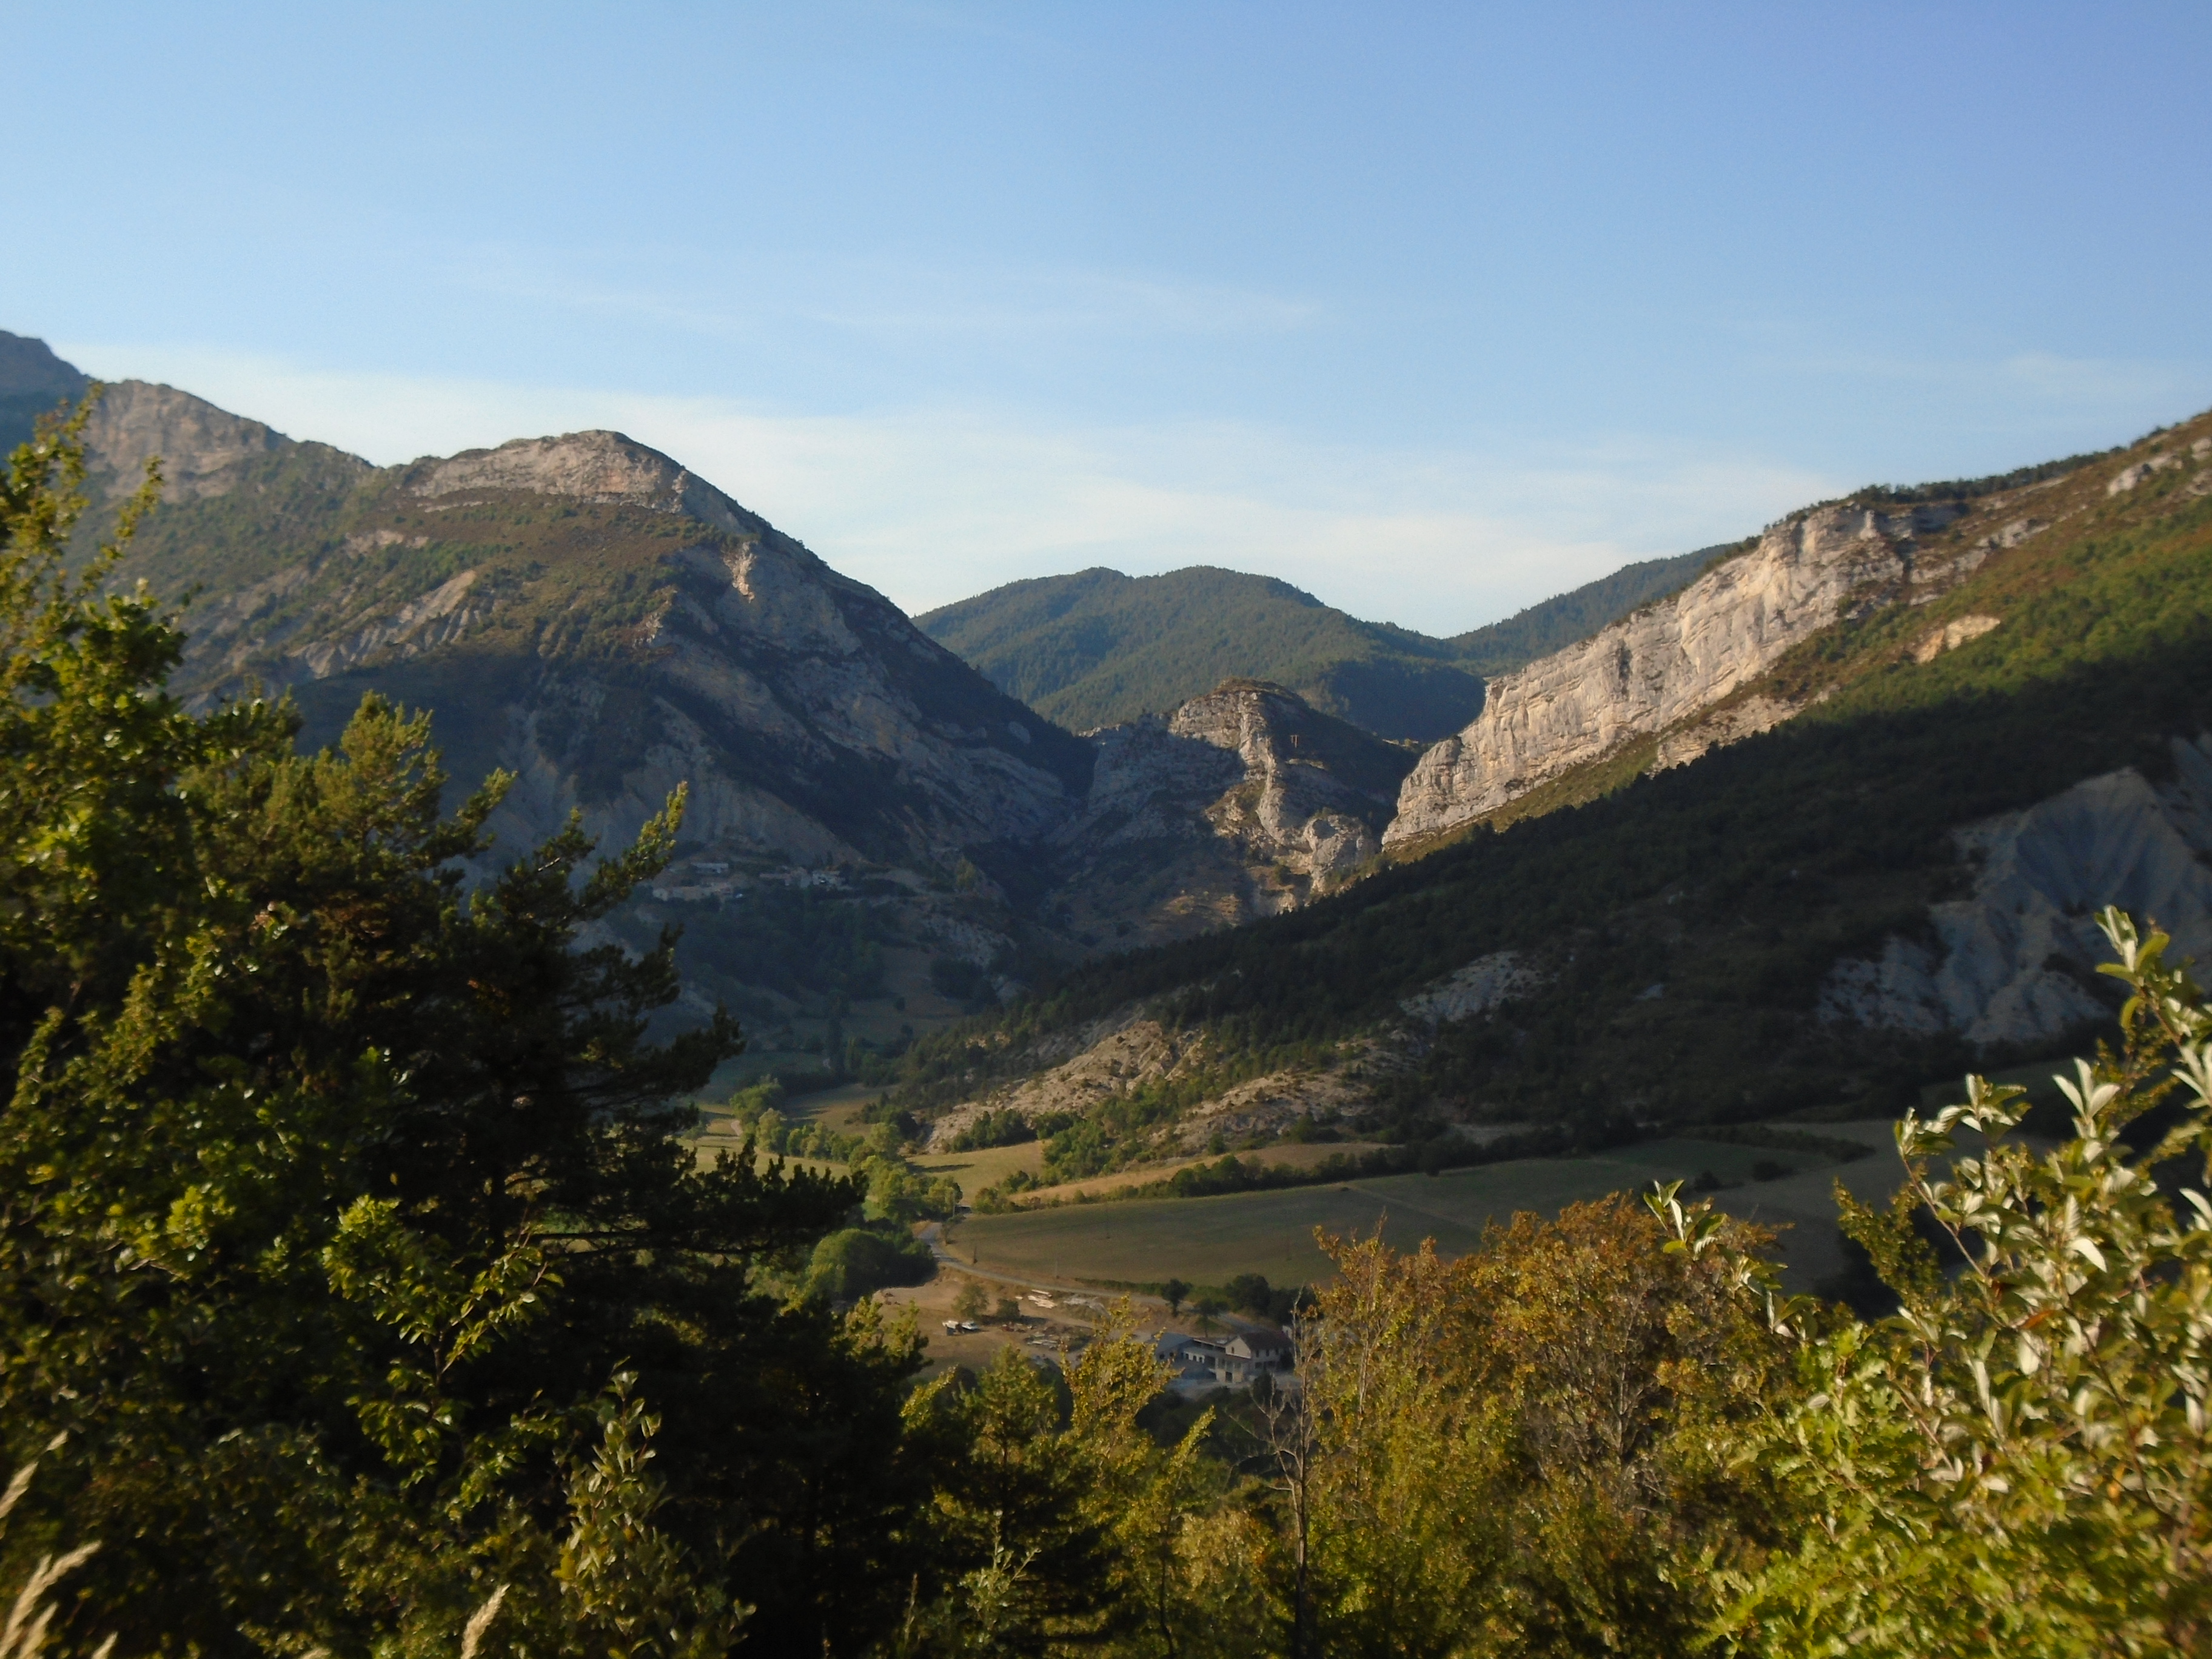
x: 1210, y: 1240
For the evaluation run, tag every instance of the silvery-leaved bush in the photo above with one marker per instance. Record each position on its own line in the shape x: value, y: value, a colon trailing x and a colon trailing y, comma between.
x: 2016, y: 1460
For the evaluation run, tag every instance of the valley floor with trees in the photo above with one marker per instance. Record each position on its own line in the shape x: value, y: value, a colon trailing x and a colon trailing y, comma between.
x: 362, y: 1297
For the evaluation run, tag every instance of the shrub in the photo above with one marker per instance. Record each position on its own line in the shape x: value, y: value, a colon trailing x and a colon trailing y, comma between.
x: 860, y: 1260
x: 1001, y: 1127
x: 2020, y: 1459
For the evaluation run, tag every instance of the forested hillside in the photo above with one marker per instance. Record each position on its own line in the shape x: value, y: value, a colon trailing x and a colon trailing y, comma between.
x: 1496, y: 648
x: 1668, y: 949
x: 1097, y: 647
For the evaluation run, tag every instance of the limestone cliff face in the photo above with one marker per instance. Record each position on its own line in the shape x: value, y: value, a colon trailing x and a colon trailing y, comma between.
x: 1674, y: 658
x: 586, y: 466
x: 203, y: 450
x: 1244, y: 802
x: 587, y: 613
x: 2014, y: 961
x: 1301, y: 806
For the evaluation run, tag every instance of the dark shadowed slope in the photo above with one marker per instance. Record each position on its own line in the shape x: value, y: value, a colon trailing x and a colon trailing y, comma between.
x: 33, y: 382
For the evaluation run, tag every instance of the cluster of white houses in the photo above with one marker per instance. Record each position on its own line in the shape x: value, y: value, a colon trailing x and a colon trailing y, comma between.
x: 1235, y: 1361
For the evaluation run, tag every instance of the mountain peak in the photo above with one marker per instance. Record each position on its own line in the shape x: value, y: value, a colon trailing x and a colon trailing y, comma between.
x: 593, y: 466
x: 29, y: 368
x: 33, y: 382
x: 201, y: 447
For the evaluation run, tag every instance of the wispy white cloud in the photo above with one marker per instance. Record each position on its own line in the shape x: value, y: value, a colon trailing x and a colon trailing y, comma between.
x: 930, y: 505
x: 901, y: 299
x: 2083, y: 383
x: 2099, y: 382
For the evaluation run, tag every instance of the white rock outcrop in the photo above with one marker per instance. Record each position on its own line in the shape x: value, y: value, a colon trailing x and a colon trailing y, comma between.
x: 1244, y: 802
x: 1953, y: 634
x: 588, y: 466
x: 1482, y: 985
x: 1670, y: 659
x: 1296, y: 809
x: 2013, y: 961
x: 1109, y: 1058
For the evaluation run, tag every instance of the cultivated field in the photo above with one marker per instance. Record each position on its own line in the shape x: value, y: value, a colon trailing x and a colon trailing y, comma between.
x: 986, y: 1168
x: 1210, y: 1240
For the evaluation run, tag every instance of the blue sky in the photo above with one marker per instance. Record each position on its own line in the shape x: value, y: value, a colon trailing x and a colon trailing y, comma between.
x: 1432, y: 310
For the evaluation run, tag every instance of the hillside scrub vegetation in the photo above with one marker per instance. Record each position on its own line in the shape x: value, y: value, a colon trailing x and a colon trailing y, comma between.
x: 1611, y: 1433
x: 1676, y: 930
x: 362, y: 1296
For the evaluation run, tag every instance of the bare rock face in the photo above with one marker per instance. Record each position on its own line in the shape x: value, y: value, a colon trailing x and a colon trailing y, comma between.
x: 1953, y: 635
x: 1295, y: 809
x: 1244, y: 802
x: 1106, y: 1058
x: 202, y: 448
x: 1481, y: 986
x: 1127, y: 1049
x: 2014, y: 961
x: 587, y: 613
x: 2129, y: 477
x: 1673, y: 659
x: 589, y: 466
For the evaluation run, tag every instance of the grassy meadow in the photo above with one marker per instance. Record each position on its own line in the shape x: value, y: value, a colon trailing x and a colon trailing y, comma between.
x: 986, y: 1168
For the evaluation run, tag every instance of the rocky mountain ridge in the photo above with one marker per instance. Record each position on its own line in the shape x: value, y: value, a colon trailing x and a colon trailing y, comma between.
x: 594, y: 619
x: 591, y: 615
x: 1243, y: 802
x: 205, y: 452
x: 1680, y: 656
x: 718, y: 637
x: 1935, y: 730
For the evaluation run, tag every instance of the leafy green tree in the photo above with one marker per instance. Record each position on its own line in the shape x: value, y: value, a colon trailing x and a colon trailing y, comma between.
x: 1251, y: 1293
x: 1513, y: 1452
x: 857, y: 1262
x: 337, y: 1193
x: 1173, y: 1293
x: 1064, y: 1521
x: 1023, y: 1557
x: 901, y: 1195
x: 1162, y: 1506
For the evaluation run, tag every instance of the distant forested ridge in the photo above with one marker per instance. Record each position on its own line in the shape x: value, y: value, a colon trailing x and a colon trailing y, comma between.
x: 1097, y: 647
x: 1498, y: 647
